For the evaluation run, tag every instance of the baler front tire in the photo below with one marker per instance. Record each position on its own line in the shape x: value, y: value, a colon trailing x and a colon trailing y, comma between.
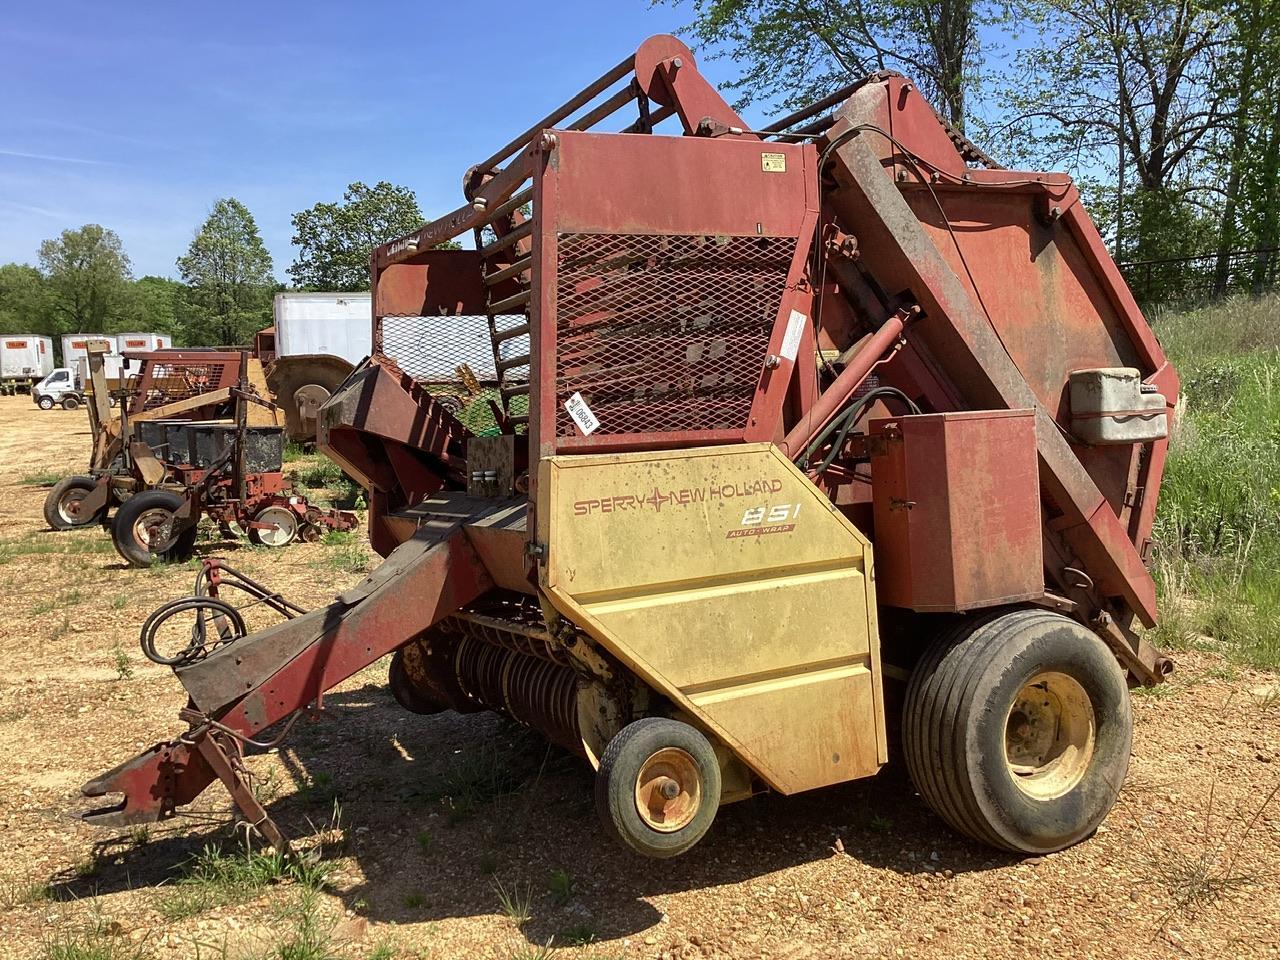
x: 125, y: 530
x: 645, y: 758
x: 1017, y: 730
x: 59, y: 505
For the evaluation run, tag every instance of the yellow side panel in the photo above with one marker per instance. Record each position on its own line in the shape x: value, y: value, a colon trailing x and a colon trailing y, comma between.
x: 730, y: 583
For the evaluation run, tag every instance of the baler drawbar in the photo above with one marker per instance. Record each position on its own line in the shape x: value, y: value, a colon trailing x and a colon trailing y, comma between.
x: 709, y: 439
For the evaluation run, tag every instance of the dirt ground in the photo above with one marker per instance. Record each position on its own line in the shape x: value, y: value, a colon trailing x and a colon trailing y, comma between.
x: 426, y: 823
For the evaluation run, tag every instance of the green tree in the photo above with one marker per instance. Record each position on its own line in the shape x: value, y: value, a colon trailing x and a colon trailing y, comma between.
x: 156, y: 305
x: 795, y: 51
x: 334, y: 240
x: 228, y: 272
x: 1130, y: 91
x: 88, y: 278
x: 24, y: 300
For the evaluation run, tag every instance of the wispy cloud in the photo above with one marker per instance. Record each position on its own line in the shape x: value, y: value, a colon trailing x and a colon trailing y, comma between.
x: 38, y: 211
x: 53, y: 158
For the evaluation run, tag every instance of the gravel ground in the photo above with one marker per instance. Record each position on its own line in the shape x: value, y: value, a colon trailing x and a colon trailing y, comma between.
x: 425, y: 822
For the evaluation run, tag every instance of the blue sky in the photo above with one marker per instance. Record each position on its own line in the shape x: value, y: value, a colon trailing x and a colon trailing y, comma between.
x: 140, y: 115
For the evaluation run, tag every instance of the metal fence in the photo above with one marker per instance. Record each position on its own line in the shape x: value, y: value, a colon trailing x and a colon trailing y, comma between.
x: 1203, y: 276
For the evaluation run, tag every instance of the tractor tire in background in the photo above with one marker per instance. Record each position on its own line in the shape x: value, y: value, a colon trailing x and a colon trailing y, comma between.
x: 658, y: 786
x: 300, y: 385
x: 142, y: 530
x: 61, y: 505
x: 1017, y: 730
x: 45, y: 403
x: 71, y: 402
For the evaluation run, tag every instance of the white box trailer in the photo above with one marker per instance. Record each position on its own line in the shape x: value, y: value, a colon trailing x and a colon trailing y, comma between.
x: 112, y: 369
x: 143, y: 341
x: 73, y: 346
x: 336, y: 324
x: 24, y: 359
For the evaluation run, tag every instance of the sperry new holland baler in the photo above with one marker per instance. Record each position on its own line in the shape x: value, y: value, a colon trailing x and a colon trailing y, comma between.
x: 759, y: 421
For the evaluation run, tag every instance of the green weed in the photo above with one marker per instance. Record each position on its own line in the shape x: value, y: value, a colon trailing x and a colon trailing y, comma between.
x: 516, y: 903
x: 17, y: 893
x: 97, y: 940
x: 561, y: 887
x: 216, y: 877
x: 123, y: 664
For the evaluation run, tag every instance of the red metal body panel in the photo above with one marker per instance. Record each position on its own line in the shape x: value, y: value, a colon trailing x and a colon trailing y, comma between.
x: 957, y: 510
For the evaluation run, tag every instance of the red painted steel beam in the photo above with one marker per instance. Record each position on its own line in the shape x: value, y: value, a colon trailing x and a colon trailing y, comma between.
x: 319, y: 650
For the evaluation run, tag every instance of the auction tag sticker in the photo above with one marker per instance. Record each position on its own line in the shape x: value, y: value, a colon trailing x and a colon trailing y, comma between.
x: 795, y: 330
x: 581, y: 414
x: 773, y: 162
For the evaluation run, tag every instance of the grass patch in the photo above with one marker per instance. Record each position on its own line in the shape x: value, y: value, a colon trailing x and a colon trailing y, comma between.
x: 44, y: 478
x: 18, y: 893
x: 348, y: 558
x: 216, y: 877
x: 1218, y: 524
x: 95, y: 941
x: 516, y: 902
x: 45, y: 543
x: 61, y: 599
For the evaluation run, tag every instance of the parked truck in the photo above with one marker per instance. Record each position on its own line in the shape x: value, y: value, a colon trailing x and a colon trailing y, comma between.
x: 805, y: 421
x: 25, y: 359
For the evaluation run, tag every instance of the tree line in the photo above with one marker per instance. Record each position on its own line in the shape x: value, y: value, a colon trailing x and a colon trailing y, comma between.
x: 83, y: 280
x: 1167, y: 112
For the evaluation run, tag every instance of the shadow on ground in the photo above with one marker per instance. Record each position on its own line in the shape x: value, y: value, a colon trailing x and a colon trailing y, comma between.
x: 443, y: 812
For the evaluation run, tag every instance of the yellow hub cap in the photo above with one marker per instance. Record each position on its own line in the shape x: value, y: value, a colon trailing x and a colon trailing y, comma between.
x: 668, y: 790
x: 1050, y: 736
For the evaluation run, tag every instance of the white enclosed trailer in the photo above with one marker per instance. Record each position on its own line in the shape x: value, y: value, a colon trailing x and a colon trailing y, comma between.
x: 333, y: 324
x: 143, y: 341
x: 73, y: 346
x: 24, y: 359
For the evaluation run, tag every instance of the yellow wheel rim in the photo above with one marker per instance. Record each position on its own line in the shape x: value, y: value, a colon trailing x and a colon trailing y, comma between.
x: 1050, y: 735
x: 668, y: 790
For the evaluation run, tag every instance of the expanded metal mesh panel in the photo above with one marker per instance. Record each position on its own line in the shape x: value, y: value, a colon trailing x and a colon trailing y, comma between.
x: 433, y: 351
x: 177, y: 380
x: 665, y: 333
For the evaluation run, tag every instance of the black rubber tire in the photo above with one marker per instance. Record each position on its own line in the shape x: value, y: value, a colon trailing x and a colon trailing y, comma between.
x: 45, y: 403
x: 405, y: 693
x: 620, y: 765
x: 134, y: 552
x: 958, y: 703
x: 55, y: 516
x: 71, y: 402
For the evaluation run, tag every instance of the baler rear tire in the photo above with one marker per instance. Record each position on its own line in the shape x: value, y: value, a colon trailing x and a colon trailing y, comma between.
x: 631, y: 754
x: 68, y: 491
x: 1017, y: 730
x: 137, y: 553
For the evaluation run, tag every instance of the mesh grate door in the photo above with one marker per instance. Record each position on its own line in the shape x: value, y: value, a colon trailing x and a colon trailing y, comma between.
x: 665, y: 333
